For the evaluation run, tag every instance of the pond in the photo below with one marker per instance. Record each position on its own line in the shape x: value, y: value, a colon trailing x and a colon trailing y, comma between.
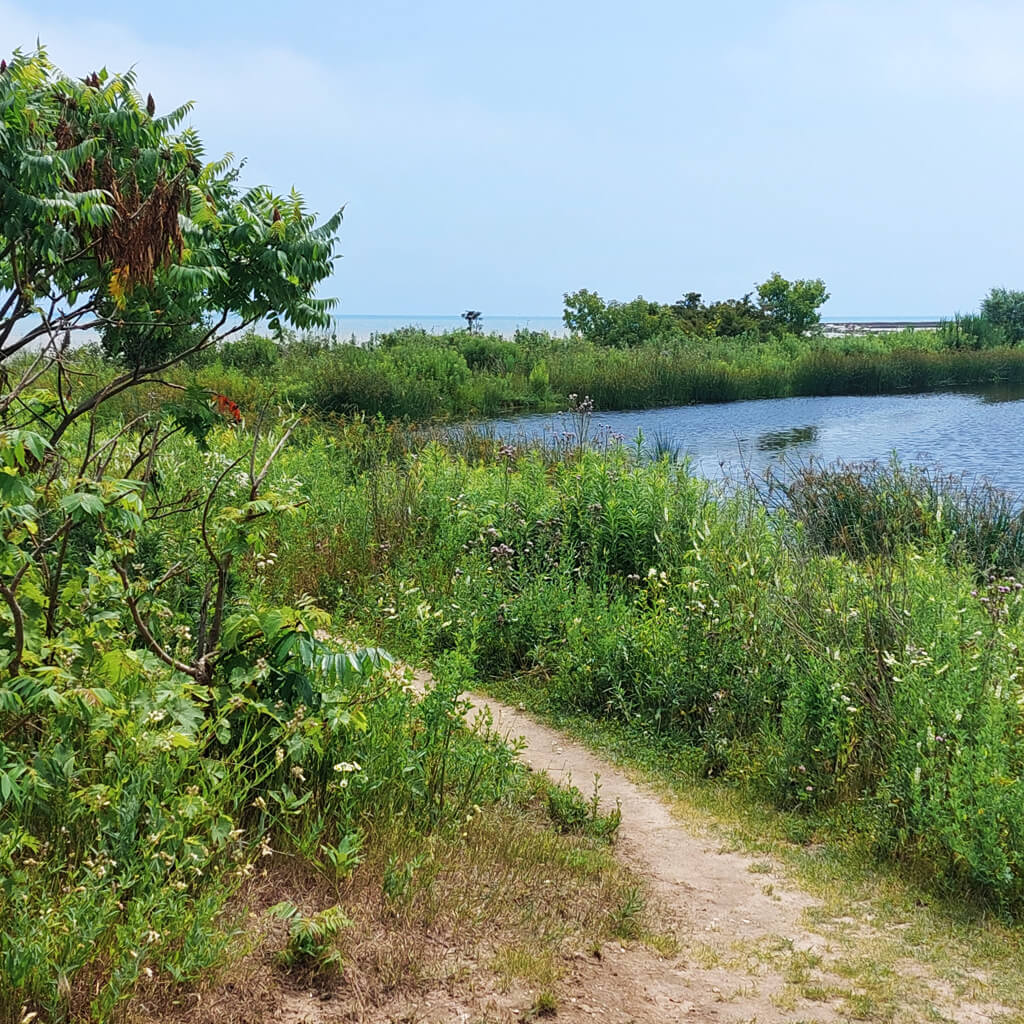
x: 978, y: 433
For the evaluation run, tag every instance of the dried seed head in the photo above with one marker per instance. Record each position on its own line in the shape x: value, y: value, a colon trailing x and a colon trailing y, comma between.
x: 150, y: 105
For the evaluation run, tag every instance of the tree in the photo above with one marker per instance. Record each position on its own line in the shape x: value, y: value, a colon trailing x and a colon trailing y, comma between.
x: 792, y: 305
x: 586, y: 313
x: 1005, y: 309
x: 110, y: 222
x: 617, y: 324
x: 724, y: 319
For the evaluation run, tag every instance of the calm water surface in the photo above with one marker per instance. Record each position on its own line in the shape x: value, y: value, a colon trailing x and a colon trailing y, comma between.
x: 979, y: 433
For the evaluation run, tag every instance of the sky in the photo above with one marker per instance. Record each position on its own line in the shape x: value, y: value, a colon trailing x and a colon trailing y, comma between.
x: 495, y: 156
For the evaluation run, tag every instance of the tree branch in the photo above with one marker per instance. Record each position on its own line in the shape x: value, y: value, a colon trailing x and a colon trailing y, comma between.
x: 144, y: 631
x: 142, y: 375
x: 11, y: 600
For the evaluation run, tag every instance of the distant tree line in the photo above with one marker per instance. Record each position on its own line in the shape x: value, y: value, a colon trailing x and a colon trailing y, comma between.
x: 781, y: 307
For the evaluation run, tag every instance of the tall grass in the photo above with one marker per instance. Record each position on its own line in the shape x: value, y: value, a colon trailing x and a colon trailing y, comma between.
x: 851, y: 650
x: 415, y: 376
x: 862, y: 509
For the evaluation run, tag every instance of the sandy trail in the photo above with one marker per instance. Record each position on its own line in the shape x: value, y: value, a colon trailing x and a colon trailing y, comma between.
x: 741, y: 923
x: 748, y: 952
x: 709, y: 895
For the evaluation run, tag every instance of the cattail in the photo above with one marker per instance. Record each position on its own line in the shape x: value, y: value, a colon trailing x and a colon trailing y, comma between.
x: 150, y: 105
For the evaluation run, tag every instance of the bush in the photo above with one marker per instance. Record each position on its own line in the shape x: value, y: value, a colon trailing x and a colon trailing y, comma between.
x: 250, y: 353
x: 1004, y: 310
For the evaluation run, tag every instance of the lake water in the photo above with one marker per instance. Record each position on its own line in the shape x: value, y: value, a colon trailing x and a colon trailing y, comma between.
x: 362, y: 328
x: 979, y: 433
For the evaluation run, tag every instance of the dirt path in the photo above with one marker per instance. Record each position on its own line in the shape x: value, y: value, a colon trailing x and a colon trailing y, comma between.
x: 710, y: 896
x: 747, y: 951
x: 754, y: 948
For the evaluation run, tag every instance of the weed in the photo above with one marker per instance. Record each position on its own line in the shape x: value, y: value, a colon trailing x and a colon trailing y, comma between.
x: 311, y: 938
x: 545, y: 1005
x: 626, y: 916
x: 398, y: 878
x: 572, y: 813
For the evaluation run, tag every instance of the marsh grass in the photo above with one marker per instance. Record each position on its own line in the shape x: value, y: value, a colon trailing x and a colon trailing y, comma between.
x: 418, y: 378
x: 875, y: 508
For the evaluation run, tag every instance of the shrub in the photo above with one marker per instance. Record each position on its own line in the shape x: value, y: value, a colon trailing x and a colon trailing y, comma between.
x: 250, y: 353
x: 1004, y: 310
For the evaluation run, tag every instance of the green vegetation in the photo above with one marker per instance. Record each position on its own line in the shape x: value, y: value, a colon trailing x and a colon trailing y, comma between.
x: 632, y: 355
x: 171, y: 719
x: 1004, y: 310
x: 792, y: 305
x: 411, y: 375
x: 796, y: 651
x: 782, y: 307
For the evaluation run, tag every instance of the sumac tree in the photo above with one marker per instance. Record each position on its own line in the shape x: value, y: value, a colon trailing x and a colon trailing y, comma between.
x: 112, y: 223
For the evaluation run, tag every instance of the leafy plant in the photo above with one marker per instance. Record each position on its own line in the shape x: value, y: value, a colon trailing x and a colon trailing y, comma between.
x: 627, y: 915
x: 113, y: 224
x: 1004, y: 310
x: 571, y: 812
x: 311, y: 937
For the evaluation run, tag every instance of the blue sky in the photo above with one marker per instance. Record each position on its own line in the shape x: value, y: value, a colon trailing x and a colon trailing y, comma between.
x: 498, y: 155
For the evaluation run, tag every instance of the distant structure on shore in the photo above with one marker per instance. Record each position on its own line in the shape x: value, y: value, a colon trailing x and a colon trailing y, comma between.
x: 842, y: 330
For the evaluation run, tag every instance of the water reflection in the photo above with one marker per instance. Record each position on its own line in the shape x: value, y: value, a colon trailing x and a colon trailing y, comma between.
x: 976, y: 432
x: 779, y: 440
x: 997, y: 394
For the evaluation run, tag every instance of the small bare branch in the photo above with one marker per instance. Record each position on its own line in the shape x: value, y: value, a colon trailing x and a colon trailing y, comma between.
x: 9, y: 595
x: 262, y: 475
x: 146, y: 633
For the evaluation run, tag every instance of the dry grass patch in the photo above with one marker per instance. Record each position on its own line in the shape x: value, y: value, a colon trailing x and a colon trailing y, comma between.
x: 488, y: 917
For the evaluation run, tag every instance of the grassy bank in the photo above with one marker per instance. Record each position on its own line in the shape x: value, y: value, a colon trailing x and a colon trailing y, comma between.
x: 851, y: 655
x: 175, y: 731
x: 415, y: 376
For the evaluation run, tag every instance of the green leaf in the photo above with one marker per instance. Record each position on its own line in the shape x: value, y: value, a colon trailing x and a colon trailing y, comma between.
x: 84, y: 502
